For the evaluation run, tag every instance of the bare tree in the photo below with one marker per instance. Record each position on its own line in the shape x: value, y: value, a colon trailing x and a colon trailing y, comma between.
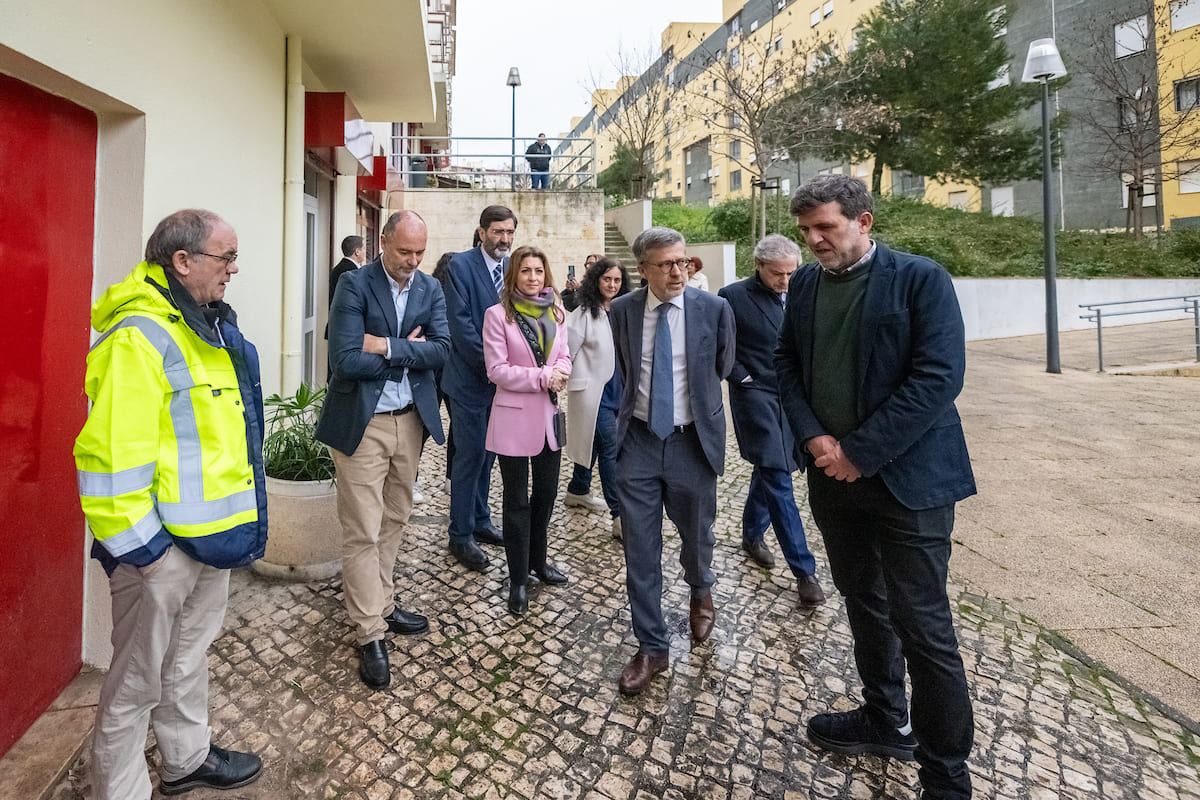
x: 1134, y: 127
x: 759, y: 101
x: 634, y: 112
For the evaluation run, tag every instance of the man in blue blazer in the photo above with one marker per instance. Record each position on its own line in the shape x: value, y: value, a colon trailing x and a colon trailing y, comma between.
x: 674, y: 345
x: 764, y: 439
x: 387, y: 334
x: 473, y: 282
x: 870, y: 359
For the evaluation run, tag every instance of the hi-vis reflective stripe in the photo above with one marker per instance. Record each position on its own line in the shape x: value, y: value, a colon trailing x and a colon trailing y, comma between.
x: 132, y: 538
x: 206, y: 511
x: 183, y: 416
x: 111, y: 484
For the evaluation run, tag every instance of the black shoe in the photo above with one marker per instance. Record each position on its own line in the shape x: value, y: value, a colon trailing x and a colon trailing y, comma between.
x: 488, y: 535
x: 518, y: 599
x: 222, y: 769
x: 373, y: 665
x: 406, y: 623
x: 852, y: 732
x: 810, y: 591
x: 469, y: 555
x: 550, y: 575
x: 758, y: 552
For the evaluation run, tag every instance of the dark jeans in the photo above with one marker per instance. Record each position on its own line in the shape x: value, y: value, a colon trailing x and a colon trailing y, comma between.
x: 890, y: 564
x: 539, y: 180
x: 470, y: 468
x: 527, y: 512
x: 770, y: 501
x: 604, y: 453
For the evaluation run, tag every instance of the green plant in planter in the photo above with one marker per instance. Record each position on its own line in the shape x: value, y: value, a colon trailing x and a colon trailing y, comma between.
x: 291, y: 450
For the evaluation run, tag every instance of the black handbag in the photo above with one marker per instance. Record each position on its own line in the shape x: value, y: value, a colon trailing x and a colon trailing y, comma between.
x: 539, y: 357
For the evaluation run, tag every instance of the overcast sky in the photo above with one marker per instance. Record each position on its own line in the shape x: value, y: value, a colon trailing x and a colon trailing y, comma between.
x: 556, y: 46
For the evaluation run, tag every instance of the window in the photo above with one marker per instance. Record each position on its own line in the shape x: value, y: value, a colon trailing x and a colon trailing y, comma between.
x: 827, y: 9
x: 778, y: 44
x: 687, y: 157
x: 1126, y: 115
x: 667, y: 176
x: 814, y: 19
x: 786, y: 186
x: 1189, y: 177
x: 1187, y: 94
x: 1130, y: 36
x: 996, y: 17
x: 1002, y: 201
x: 667, y: 128
x: 754, y: 26
x: 1001, y: 79
x: 781, y: 4
x: 753, y: 61
x: 666, y: 104
x: 735, y: 120
x: 735, y: 149
x: 1146, y: 190
x: 735, y: 25
x: 957, y: 200
x: 735, y: 180
x: 714, y: 84
x: 1184, y: 14
x: 734, y: 57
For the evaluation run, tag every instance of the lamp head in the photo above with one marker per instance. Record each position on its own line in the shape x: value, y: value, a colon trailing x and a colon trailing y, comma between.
x: 514, y: 77
x: 1043, y: 63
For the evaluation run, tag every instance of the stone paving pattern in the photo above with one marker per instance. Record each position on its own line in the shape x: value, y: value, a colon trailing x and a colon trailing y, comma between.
x: 488, y: 706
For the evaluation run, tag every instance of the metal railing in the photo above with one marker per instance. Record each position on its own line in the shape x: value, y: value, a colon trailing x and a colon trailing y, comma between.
x: 1183, y: 302
x: 490, y: 162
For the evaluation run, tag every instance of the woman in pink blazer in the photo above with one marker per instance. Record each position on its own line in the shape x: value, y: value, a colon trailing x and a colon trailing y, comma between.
x: 521, y: 427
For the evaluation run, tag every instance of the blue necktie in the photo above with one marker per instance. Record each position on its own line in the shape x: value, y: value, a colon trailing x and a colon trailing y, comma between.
x: 662, y: 389
x: 498, y: 276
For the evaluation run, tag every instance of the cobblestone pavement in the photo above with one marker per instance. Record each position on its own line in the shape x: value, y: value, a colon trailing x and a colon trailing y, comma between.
x: 486, y: 706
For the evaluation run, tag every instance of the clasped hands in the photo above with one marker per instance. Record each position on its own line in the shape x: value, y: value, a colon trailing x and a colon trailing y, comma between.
x: 558, y: 380
x: 379, y: 344
x: 831, y: 459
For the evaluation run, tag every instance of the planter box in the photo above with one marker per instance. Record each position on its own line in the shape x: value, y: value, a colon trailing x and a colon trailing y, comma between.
x: 305, y: 539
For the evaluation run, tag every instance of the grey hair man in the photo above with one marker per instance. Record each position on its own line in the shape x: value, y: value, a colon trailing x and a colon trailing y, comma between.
x: 763, y: 437
x: 171, y: 481
x: 674, y: 345
x: 870, y: 359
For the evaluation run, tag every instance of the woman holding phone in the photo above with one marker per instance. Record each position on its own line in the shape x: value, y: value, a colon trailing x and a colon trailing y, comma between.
x: 527, y: 358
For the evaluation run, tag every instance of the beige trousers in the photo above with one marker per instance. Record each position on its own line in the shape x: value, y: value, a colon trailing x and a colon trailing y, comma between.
x: 374, y: 496
x: 163, y: 623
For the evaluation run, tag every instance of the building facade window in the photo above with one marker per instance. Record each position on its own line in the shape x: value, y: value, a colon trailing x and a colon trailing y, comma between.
x: 778, y: 44
x: 1184, y: 14
x: 1146, y: 190
x: 734, y: 57
x: 814, y: 19
x: 1187, y: 94
x: 1129, y: 36
x: 735, y: 25
x: 1189, y: 177
x: 735, y: 149
x: 735, y: 180
x: 957, y: 200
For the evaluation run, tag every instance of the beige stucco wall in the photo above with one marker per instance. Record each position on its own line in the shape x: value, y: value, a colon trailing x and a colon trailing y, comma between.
x: 567, y: 225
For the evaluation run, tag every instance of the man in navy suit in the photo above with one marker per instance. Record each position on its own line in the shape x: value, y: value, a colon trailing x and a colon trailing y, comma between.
x: 764, y: 439
x: 387, y: 334
x: 473, y: 283
x: 870, y: 359
x: 674, y: 345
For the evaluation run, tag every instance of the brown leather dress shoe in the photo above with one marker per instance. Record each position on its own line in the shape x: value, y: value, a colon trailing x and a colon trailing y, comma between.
x: 702, y: 617
x: 640, y: 669
x: 809, y: 589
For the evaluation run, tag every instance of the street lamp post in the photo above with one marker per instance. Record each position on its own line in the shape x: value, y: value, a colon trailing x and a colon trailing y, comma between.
x: 514, y: 80
x: 1042, y: 65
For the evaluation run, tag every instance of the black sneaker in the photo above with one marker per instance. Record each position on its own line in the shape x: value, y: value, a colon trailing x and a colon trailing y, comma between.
x: 853, y: 732
x: 222, y: 769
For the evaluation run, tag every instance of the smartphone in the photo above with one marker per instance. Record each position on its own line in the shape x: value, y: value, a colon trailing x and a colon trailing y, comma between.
x: 571, y: 272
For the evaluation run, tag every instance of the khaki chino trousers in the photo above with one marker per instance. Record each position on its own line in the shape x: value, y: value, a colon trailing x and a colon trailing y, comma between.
x: 374, y: 491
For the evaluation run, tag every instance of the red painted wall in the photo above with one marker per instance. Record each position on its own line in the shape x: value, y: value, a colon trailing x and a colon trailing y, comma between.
x: 47, y: 199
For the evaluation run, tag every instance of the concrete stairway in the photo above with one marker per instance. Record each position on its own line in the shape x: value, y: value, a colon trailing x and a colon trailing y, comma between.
x: 615, y: 246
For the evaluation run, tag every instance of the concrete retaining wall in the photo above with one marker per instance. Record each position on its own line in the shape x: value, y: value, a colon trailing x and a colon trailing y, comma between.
x: 630, y: 219
x: 567, y: 225
x: 994, y: 308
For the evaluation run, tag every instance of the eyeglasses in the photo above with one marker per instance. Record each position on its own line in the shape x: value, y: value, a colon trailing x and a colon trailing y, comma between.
x: 667, y: 266
x: 227, y: 259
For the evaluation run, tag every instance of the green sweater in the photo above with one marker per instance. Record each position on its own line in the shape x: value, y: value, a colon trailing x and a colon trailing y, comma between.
x: 835, y: 347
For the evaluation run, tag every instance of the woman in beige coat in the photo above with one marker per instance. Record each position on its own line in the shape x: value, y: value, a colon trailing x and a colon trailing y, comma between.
x: 594, y: 389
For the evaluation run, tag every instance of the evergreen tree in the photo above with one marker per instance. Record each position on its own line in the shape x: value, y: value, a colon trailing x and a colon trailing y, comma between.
x: 927, y: 64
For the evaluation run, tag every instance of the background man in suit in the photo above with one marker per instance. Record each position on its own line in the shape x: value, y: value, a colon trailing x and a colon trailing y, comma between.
x: 764, y: 439
x: 388, y: 334
x: 870, y: 359
x: 674, y: 346
x: 473, y: 284
x: 354, y: 253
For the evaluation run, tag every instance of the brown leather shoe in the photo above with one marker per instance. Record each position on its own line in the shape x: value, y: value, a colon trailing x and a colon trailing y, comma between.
x: 702, y: 617
x: 758, y: 552
x: 809, y: 589
x: 640, y: 669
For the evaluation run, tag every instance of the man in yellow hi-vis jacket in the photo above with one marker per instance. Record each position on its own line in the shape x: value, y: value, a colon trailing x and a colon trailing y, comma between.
x: 171, y: 481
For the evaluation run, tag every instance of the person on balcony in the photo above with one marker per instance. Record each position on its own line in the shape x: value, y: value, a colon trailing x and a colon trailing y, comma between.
x: 538, y: 156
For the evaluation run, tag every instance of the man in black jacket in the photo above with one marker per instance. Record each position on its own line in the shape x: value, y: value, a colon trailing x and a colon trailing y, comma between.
x: 538, y: 156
